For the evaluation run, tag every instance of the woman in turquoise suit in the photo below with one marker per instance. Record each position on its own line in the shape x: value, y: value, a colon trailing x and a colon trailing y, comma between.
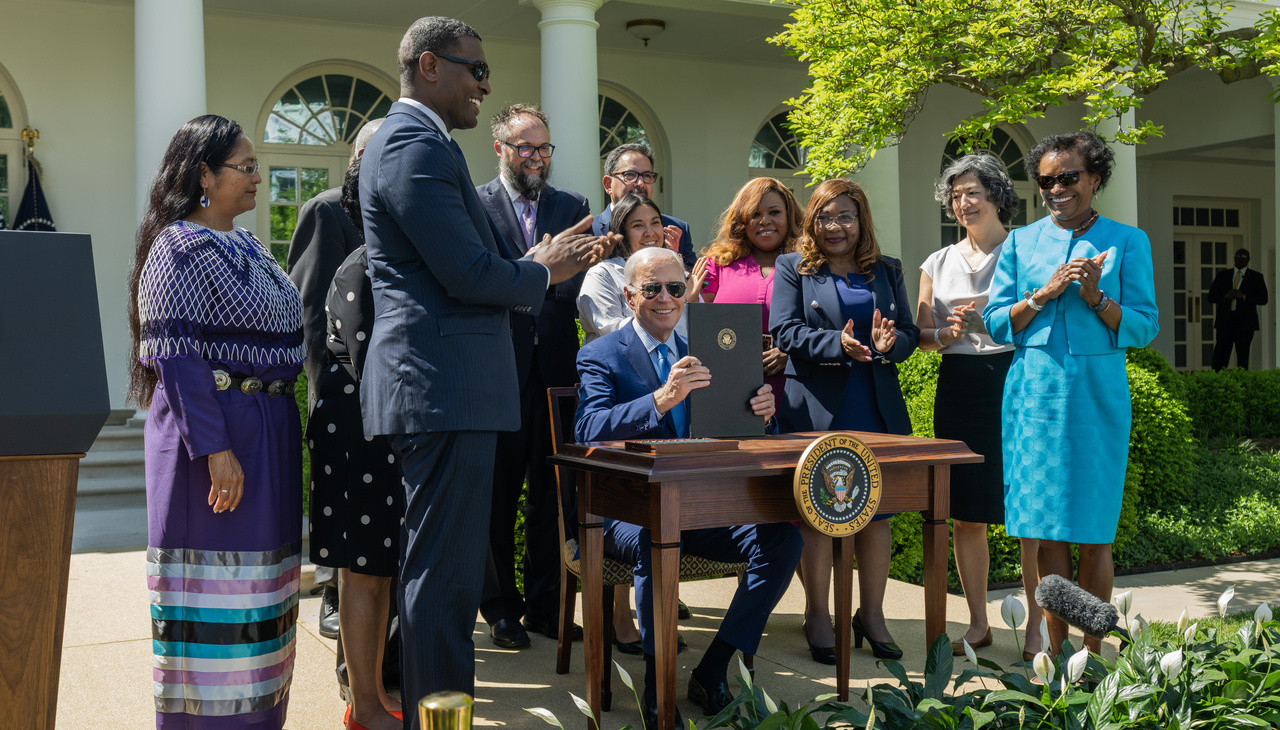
x: 1071, y: 292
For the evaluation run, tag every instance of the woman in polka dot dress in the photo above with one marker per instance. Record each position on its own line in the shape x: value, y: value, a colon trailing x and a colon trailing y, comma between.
x: 356, y: 494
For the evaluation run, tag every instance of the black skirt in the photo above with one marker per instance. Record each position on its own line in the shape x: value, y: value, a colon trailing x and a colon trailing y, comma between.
x: 967, y: 408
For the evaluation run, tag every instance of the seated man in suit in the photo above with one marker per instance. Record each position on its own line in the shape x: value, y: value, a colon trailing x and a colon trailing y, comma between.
x: 634, y: 384
x: 629, y: 168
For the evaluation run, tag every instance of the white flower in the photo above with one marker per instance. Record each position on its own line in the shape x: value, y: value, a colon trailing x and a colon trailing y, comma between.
x: 1044, y: 667
x: 1190, y: 634
x: 545, y: 714
x: 1138, y: 627
x: 1044, y: 632
x: 1123, y: 601
x: 583, y: 707
x: 742, y: 671
x: 1263, y: 614
x: 1012, y: 611
x: 769, y: 704
x: 1076, y: 664
x: 1171, y: 663
x: 968, y: 652
x: 1224, y: 599
x: 626, y: 678
x: 1183, y: 620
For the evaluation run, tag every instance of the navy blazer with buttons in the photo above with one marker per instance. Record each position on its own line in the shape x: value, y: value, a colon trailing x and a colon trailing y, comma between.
x: 440, y: 355
x: 600, y: 226
x: 805, y: 320
x: 556, y: 325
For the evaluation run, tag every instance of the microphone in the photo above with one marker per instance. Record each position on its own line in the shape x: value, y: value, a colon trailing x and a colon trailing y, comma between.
x: 1077, y: 607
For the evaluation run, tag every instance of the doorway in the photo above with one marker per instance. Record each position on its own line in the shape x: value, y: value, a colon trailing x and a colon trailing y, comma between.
x: 1206, y: 234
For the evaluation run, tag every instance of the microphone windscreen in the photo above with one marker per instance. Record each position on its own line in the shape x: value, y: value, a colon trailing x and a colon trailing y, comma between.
x: 1076, y: 606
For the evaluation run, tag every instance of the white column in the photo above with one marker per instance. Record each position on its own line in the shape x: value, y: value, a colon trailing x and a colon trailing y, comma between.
x: 880, y: 178
x: 1119, y: 201
x: 570, y: 86
x: 168, y: 79
x: 1269, y: 321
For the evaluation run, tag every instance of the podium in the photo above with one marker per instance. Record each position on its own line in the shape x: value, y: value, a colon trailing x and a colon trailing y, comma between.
x: 53, y: 402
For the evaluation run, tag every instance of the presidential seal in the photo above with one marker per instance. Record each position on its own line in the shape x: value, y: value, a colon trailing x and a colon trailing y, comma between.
x: 726, y: 339
x: 837, y: 485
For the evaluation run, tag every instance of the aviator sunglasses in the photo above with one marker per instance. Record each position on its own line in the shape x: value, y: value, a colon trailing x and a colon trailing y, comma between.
x: 1067, y: 179
x: 652, y: 289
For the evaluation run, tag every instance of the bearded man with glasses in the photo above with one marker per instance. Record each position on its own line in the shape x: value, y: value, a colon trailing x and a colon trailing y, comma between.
x: 635, y: 384
x: 628, y: 168
x: 523, y: 208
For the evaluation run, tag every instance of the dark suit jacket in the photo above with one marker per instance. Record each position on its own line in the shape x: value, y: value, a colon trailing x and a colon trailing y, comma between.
x: 1254, y: 288
x: 615, y: 398
x: 440, y: 355
x: 556, y: 325
x: 805, y: 321
x: 324, y: 237
x: 600, y: 226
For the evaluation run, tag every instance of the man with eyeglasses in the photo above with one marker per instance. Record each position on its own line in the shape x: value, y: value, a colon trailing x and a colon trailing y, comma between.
x: 629, y: 167
x: 440, y: 377
x: 523, y: 208
x: 635, y: 384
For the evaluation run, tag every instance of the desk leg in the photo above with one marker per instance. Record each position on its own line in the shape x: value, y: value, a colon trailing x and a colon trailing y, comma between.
x: 842, y: 552
x: 665, y: 576
x: 591, y: 544
x: 936, y: 546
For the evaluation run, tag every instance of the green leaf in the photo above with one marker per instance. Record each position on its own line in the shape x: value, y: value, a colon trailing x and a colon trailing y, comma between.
x: 937, y: 667
x: 1009, y: 695
x: 979, y: 718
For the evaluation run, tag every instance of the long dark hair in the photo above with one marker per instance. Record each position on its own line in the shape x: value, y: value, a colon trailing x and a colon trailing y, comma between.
x: 622, y: 210
x: 210, y: 139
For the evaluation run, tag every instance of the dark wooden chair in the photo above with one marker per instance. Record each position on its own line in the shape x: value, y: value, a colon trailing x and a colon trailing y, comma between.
x: 563, y: 405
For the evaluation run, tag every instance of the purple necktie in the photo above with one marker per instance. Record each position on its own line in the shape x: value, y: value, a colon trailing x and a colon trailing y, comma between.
x: 528, y: 221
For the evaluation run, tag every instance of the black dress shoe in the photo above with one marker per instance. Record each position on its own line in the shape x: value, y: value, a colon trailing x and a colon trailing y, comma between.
x: 820, y: 654
x: 682, y: 611
x: 711, y: 701
x: 550, y: 628
x: 329, y: 612
x: 628, y: 647
x: 508, y: 634
x: 879, y: 649
x: 649, y: 715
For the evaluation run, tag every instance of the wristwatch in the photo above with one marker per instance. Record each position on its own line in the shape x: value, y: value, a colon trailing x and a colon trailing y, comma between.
x: 1030, y: 296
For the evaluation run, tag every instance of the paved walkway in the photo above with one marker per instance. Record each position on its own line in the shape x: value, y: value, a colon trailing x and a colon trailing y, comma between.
x: 106, y: 665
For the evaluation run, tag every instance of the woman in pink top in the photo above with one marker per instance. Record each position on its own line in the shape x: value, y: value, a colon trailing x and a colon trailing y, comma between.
x: 761, y: 223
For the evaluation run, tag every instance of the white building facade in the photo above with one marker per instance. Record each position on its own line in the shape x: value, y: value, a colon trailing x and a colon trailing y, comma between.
x: 108, y: 82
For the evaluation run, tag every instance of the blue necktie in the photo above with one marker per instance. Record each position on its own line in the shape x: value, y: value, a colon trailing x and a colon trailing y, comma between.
x: 678, y: 418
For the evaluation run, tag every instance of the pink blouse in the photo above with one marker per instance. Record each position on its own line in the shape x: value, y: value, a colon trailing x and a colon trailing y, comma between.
x: 741, y: 283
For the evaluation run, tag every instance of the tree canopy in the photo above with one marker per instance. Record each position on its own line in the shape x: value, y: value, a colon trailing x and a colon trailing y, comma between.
x: 872, y: 63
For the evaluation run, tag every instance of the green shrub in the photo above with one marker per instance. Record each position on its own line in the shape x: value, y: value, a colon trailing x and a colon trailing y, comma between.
x: 1262, y: 408
x: 1160, y: 443
x: 919, y: 379
x: 1215, y: 402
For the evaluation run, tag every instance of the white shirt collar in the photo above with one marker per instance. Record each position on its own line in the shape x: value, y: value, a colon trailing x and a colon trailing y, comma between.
x: 1242, y: 269
x: 430, y: 114
x: 650, y: 342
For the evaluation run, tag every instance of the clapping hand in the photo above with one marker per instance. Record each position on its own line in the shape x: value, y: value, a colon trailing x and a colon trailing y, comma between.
x: 570, y: 251
x: 696, y: 280
x: 671, y: 238
x: 1088, y: 271
x: 883, y: 334
x: 852, y: 347
x: 965, y: 319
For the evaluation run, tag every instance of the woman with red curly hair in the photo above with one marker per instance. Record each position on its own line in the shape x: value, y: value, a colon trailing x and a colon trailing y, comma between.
x: 842, y: 315
x: 761, y: 224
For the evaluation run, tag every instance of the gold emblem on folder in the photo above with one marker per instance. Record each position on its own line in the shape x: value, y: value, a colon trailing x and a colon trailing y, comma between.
x: 726, y: 339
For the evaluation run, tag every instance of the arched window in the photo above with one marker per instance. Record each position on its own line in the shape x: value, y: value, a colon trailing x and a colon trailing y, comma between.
x: 13, y: 118
x: 776, y: 152
x: 306, y: 130
x: 1012, y: 152
x: 624, y: 119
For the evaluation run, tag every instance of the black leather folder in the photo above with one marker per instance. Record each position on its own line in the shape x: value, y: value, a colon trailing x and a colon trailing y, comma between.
x: 726, y: 338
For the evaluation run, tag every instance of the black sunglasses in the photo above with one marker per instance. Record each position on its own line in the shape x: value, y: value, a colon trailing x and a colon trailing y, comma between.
x: 479, y: 69
x: 1067, y: 179
x: 652, y: 289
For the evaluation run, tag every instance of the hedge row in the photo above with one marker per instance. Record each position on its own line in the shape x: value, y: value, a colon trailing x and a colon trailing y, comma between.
x: 1190, y: 491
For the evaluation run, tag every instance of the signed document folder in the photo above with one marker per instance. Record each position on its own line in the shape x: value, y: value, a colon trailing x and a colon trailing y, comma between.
x: 726, y: 338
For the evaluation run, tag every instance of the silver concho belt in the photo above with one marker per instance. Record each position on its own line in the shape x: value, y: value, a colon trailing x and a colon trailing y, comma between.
x: 250, y: 385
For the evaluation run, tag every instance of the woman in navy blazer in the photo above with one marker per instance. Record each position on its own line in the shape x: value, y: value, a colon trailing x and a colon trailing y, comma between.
x: 841, y: 314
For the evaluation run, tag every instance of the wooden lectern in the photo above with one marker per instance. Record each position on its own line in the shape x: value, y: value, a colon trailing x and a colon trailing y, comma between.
x: 53, y: 402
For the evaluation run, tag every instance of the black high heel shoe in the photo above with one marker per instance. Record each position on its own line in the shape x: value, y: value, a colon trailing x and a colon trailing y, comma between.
x: 820, y: 654
x: 879, y: 649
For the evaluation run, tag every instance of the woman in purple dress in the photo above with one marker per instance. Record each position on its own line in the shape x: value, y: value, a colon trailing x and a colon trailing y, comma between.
x: 216, y: 332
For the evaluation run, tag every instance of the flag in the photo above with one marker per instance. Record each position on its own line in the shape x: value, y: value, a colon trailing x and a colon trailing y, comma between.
x: 33, y: 212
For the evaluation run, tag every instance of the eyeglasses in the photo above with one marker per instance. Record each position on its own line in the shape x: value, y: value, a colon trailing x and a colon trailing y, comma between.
x: 630, y: 176
x: 843, y: 220
x: 651, y: 289
x: 246, y: 169
x: 479, y: 69
x: 1066, y: 179
x: 527, y: 150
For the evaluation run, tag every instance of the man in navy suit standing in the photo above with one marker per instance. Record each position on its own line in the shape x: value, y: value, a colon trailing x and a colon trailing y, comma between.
x: 634, y: 384
x: 440, y: 375
x: 523, y: 208
x: 629, y: 168
x: 1238, y: 293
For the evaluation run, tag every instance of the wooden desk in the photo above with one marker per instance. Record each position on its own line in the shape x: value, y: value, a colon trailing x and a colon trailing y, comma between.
x: 670, y: 493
